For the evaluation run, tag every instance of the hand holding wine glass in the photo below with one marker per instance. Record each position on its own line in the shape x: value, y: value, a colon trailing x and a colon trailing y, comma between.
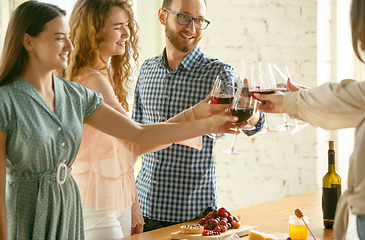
x: 222, y: 93
x: 271, y: 103
x: 204, y: 109
x: 264, y: 84
x: 222, y: 123
x: 244, y: 106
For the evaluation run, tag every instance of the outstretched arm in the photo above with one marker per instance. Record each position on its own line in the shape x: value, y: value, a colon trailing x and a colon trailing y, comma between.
x: 201, y: 110
x: 101, y: 84
x: 110, y: 121
x: 329, y: 106
x: 271, y: 103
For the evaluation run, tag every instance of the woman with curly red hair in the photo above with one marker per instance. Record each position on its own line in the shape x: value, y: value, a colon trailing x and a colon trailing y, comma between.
x: 105, y: 41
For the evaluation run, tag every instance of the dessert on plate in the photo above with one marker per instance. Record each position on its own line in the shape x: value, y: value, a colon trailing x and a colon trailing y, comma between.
x: 192, y: 229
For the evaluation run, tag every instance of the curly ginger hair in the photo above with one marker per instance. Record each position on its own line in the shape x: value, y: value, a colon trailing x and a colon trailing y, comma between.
x: 87, y: 21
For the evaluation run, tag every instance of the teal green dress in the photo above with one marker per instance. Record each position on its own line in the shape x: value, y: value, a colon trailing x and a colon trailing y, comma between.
x: 42, y: 198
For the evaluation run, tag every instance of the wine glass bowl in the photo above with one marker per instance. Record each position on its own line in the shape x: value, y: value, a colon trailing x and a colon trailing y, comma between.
x: 282, y: 83
x: 223, y: 89
x: 243, y: 105
x: 298, y: 124
x: 222, y: 93
x: 265, y: 83
x: 281, y: 79
x: 221, y: 99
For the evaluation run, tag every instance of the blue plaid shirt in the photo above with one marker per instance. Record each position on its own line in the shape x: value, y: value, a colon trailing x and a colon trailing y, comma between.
x: 178, y: 183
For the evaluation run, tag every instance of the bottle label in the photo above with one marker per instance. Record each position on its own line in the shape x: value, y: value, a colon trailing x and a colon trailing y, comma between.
x: 330, y: 198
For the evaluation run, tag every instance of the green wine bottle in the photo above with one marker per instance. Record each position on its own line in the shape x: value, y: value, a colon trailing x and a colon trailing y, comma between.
x: 331, y: 189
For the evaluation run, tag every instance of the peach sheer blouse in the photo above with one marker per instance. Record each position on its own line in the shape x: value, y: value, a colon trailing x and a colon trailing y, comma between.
x: 104, y: 166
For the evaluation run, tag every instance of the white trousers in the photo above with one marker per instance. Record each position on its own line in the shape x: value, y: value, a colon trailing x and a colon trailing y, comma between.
x: 107, y: 225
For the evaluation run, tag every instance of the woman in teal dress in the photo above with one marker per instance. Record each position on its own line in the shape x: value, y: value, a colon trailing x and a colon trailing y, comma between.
x: 41, y: 119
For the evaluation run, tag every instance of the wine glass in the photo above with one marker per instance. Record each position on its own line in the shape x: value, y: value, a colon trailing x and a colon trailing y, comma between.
x: 265, y: 84
x: 248, y: 75
x: 244, y: 106
x: 222, y: 93
x: 298, y: 124
x: 282, y: 87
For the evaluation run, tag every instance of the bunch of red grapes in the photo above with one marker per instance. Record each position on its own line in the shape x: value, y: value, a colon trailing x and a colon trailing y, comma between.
x: 220, y: 220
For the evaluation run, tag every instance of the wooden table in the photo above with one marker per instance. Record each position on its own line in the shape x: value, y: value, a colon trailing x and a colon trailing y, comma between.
x: 271, y: 217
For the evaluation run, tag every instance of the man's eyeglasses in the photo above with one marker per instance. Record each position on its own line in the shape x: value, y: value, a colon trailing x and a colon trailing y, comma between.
x: 185, y: 20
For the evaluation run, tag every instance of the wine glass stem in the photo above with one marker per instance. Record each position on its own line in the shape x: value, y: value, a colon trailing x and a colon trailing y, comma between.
x: 297, y: 122
x: 285, y: 121
x: 234, y: 140
x: 266, y: 121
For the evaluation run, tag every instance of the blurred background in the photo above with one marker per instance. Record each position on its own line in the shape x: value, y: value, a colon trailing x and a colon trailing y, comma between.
x: 312, y: 38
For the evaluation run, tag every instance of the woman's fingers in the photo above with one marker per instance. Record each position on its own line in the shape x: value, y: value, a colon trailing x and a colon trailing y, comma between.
x: 223, y: 123
x: 294, y: 87
x: 205, y: 110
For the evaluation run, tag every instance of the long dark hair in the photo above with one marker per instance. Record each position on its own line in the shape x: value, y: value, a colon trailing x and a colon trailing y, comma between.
x: 358, y: 26
x: 29, y: 17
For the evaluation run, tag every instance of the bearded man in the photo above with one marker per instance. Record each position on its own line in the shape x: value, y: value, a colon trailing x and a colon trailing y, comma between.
x: 179, y: 183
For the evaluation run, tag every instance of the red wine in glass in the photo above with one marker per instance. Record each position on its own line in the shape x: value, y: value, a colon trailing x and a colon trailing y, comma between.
x: 283, y: 90
x: 243, y: 114
x: 261, y: 91
x: 222, y: 99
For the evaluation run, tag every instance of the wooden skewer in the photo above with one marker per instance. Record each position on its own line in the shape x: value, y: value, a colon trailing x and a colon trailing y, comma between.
x: 298, y: 212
